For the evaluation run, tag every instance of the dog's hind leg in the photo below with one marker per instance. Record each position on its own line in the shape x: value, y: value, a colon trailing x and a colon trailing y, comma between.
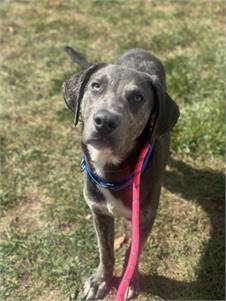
x: 97, y: 285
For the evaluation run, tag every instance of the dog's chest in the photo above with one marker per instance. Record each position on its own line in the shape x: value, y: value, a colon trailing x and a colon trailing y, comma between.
x: 102, y: 198
x: 115, y: 206
x: 109, y: 204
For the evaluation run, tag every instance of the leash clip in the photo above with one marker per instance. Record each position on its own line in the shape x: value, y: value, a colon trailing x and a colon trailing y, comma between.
x: 82, y: 166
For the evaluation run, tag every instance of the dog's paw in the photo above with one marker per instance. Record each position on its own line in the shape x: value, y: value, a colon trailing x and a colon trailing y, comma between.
x: 134, y: 287
x: 95, y: 287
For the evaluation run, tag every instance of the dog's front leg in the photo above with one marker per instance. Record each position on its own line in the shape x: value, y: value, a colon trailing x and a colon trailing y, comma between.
x: 97, y: 285
x: 134, y: 286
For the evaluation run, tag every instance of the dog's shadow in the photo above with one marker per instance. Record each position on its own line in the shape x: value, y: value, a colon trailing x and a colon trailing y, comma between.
x: 207, y: 188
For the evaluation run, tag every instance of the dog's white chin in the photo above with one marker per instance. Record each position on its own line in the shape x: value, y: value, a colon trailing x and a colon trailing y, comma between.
x: 102, y: 157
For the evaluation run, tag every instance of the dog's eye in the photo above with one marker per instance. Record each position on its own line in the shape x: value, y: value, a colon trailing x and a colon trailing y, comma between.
x: 138, y: 97
x: 135, y: 97
x: 95, y: 86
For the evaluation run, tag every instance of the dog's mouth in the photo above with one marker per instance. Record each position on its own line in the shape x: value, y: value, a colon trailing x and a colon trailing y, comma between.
x: 100, y: 142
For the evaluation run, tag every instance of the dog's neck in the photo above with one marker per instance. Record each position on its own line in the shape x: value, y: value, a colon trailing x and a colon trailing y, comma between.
x: 102, y: 160
x: 113, y: 167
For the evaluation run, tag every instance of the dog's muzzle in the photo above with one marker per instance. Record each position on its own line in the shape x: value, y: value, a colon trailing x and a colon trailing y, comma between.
x: 105, y: 122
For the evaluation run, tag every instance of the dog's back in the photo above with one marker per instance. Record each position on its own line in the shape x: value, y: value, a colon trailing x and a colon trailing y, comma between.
x: 143, y: 61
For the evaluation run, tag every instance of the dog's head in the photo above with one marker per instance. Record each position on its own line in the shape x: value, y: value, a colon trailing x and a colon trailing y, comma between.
x: 117, y: 104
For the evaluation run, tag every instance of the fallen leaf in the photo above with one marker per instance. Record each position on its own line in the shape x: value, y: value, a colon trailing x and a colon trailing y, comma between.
x: 55, y: 2
x: 119, y: 241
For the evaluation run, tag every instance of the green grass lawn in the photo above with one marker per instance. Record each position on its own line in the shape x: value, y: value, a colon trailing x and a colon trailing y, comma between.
x: 48, y: 244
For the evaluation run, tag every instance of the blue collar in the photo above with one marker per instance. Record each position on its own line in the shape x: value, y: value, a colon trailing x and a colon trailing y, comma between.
x: 115, y: 186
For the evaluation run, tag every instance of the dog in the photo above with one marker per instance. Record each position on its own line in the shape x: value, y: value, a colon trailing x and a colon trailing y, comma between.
x: 122, y: 106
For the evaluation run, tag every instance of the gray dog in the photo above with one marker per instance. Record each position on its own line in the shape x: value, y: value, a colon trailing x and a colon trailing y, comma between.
x: 122, y: 106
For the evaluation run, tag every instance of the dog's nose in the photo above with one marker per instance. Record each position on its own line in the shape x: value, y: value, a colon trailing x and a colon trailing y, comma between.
x: 105, y: 122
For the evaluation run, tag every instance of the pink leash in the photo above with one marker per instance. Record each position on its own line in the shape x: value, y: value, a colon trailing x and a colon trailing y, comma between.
x: 135, y: 232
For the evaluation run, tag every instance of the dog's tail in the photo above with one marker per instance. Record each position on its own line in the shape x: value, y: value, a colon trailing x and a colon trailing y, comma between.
x: 77, y: 58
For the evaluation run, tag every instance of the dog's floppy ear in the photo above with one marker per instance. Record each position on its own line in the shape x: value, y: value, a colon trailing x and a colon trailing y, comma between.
x: 73, y: 89
x: 166, y: 110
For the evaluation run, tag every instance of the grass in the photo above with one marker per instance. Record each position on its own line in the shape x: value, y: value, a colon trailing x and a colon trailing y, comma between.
x: 48, y: 244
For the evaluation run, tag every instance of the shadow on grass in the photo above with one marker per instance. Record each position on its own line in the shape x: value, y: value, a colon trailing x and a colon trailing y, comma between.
x: 207, y: 188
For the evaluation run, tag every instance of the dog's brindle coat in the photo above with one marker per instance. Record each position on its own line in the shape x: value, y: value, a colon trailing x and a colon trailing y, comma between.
x: 121, y: 105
